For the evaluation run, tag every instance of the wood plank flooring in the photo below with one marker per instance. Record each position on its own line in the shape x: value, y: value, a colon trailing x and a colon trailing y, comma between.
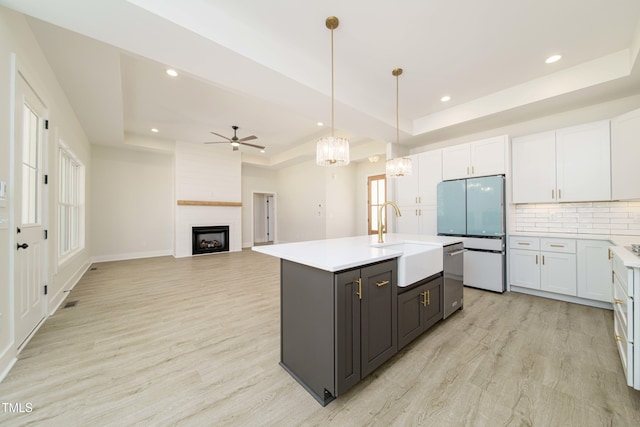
x: 195, y: 341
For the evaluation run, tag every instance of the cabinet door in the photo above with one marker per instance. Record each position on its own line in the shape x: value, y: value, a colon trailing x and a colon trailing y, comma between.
x: 347, y: 335
x: 428, y: 220
x: 558, y: 273
x: 594, y: 270
x: 625, y: 152
x: 410, y: 316
x: 430, y: 166
x: 583, y: 162
x: 533, y: 171
x: 378, y: 319
x: 433, y: 303
x: 409, y: 222
x: 524, y: 267
x: 488, y: 156
x: 406, y: 188
x: 456, y: 162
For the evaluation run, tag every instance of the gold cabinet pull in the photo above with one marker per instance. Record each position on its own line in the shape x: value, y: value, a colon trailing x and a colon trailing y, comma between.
x: 524, y: 243
x: 427, y: 298
x: 472, y: 170
x: 609, y: 255
x: 536, y: 259
x: 553, y: 194
x: 384, y: 282
x: 542, y: 259
x: 613, y: 276
x: 618, y: 301
x: 556, y: 246
x: 359, y: 293
x: 559, y: 193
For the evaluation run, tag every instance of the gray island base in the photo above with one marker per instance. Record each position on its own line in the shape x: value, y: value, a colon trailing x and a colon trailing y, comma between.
x: 338, y: 327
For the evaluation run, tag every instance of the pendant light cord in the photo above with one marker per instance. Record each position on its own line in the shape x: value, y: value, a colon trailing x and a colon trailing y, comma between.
x: 397, y: 112
x: 332, y: 99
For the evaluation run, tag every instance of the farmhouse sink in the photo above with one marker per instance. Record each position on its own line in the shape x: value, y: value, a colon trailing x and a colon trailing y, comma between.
x: 417, y: 261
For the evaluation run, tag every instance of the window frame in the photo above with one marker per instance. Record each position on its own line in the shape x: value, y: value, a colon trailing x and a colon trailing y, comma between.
x: 370, y: 205
x: 70, y: 204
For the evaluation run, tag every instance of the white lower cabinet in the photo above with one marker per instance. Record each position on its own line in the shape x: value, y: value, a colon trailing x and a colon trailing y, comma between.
x: 546, y: 264
x: 575, y: 267
x: 594, y: 265
x: 626, y: 321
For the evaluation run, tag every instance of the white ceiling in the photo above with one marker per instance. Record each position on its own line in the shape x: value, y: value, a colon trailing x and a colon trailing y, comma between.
x: 265, y: 66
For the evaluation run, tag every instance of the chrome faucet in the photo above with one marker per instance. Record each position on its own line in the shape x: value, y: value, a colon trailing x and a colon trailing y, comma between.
x: 381, y: 226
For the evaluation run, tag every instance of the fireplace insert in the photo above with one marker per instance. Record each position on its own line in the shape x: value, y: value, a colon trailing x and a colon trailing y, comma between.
x: 210, y: 239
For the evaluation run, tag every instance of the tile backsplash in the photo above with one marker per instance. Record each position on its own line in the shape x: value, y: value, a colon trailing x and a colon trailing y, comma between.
x: 618, y: 218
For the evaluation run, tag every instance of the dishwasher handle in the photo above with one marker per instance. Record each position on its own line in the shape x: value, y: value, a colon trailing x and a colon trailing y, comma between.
x: 453, y: 253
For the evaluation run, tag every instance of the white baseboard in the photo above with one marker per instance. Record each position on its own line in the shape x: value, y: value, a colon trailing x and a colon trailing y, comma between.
x: 59, y: 298
x: 5, y: 366
x: 560, y: 297
x: 132, y: 255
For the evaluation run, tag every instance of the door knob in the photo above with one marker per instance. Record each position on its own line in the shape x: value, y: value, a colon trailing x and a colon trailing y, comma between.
x: 22, y: 246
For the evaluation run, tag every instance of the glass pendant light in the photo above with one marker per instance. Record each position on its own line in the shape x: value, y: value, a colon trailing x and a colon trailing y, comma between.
x: 332, y: 150
x: 399, y: 166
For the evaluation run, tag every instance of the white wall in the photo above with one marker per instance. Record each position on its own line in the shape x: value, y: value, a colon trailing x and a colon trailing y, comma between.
x: 341, y: 201
x: 131, y: 203
x: 301, y: 203
x: 16, y: 37
x: 206, y: 173
x: 255, y: 180
x: 365, y: 170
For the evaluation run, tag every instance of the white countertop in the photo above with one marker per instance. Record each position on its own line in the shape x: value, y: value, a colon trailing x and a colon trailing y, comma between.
x: 618, y: 243
x: 349, y: 252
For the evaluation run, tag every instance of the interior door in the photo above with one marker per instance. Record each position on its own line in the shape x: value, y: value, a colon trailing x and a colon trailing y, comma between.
x: 30, y: 257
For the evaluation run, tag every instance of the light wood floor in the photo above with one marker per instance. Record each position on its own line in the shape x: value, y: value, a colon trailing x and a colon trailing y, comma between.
x: 195, y: 342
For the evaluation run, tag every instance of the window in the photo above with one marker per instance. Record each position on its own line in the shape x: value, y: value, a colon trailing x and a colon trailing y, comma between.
x: 70, y: 205
x: 31, y: 158
x: 377, y: 190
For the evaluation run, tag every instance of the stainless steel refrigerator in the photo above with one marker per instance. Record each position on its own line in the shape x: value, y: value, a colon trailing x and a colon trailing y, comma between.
x: 474, y: 208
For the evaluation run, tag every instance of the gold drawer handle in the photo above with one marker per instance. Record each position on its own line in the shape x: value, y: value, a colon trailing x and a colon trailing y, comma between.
x: 556, y: 246
x: 618, y: 301
x: 384, y: 282
x: 524, y: 243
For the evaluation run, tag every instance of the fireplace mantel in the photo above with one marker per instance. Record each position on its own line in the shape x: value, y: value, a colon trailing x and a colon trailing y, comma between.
x: 208, y: 203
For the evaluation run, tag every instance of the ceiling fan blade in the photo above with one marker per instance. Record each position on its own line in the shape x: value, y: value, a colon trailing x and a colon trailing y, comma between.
x: 221, y: 136
x: 247, y: 138
x: 216, y: 142
x: 253, y: 145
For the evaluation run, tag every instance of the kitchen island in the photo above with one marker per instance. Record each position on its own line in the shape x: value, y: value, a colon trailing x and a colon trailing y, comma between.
x: 339, y: 304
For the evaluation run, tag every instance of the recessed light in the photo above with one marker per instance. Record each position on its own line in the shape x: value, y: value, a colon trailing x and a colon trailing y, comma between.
x: 553, y: 58
x: 445, y: 98
x: 172, y: 72
x: 154, y: 130
x: 320, y: 124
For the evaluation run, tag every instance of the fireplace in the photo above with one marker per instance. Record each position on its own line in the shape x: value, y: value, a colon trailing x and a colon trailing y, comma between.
x: 206, y: 240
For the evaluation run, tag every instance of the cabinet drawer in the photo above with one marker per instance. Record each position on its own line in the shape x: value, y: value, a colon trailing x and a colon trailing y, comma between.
x: 625, y: 349
x: 523, y: 242
x: 622, y: 273
x: 567, y: 246
x: 623, y: 308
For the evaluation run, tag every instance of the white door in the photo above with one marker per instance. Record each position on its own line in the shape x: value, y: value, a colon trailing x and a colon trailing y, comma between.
x: 30, y: 257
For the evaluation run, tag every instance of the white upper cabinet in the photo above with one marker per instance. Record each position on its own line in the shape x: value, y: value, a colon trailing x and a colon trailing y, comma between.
x: 583, y: 162
x: 533, y: 168
x: 567, y: 165
x: 479, y: 158
x: 417, y: 195
x: 407, y: 187
x: 625, y: 152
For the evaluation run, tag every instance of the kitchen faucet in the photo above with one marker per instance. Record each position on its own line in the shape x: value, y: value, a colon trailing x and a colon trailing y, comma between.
x: 381, y: 226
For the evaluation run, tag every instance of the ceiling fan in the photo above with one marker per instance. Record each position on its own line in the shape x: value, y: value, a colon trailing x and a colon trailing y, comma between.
x: 235, y: 141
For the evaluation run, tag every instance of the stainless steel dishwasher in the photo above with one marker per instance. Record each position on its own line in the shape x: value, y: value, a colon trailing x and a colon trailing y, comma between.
x: 453, y: 278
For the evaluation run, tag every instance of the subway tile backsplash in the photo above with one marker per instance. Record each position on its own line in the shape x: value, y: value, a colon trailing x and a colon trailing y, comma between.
x: 618, y: 218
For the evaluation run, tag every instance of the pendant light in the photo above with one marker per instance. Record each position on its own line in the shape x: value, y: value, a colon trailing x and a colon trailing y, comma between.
x: 399, y: 166
x: 332, y: 150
